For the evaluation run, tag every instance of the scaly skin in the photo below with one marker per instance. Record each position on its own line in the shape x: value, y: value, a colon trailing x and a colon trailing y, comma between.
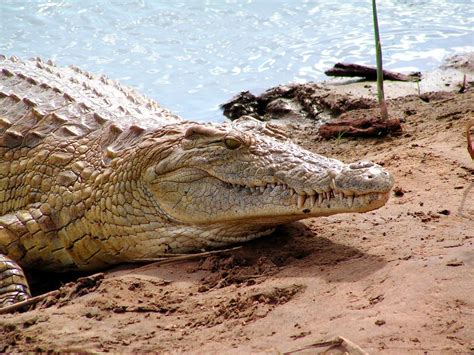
x: 93, y: 174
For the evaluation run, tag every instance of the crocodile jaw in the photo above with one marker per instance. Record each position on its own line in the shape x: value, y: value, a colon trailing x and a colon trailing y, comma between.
x: 194, y: 196
x: 258, y: 178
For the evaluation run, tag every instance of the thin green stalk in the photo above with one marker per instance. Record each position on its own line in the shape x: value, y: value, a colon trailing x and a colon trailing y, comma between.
x: 378, y: 55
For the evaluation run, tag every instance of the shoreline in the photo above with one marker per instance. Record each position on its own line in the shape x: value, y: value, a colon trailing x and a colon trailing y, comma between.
x: 332, y: 97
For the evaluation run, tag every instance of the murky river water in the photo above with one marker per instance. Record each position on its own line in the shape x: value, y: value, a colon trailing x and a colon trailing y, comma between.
x: 193, y: 55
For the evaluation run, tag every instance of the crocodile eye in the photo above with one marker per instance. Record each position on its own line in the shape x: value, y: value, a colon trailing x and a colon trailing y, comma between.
x: 232, y: 143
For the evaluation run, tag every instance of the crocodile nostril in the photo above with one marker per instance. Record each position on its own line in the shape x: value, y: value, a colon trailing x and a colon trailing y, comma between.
x: 361, y: 165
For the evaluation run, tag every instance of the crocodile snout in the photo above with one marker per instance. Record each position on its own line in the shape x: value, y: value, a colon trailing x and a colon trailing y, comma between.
x: 363, y: 177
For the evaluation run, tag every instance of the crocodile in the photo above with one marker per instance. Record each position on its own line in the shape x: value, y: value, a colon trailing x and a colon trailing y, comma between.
x: 93, y: 174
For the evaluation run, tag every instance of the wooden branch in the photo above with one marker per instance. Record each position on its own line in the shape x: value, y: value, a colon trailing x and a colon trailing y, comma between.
x: 362, y: 127
x: 33, y: 300
x: 173, y: 259
x: 369, y: 73
x: 82, y: 282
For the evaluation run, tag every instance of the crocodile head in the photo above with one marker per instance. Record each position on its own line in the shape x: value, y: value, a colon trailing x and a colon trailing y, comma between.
x: 247, y: 177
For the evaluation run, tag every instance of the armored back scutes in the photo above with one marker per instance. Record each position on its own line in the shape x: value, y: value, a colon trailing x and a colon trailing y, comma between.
x: 39, y: 99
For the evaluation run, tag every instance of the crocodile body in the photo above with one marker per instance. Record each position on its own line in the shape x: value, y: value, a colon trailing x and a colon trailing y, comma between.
x: 93, y: 174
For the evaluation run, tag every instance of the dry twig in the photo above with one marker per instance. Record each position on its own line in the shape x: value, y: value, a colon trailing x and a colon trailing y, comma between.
x: 30, y: 301
x: 180, y: 257
x: 352, y: 348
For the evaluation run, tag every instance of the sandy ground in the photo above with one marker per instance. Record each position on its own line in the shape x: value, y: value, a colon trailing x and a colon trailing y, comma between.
x: 399, y: 280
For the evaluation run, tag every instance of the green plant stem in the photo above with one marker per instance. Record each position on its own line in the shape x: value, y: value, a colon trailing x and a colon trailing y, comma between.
x: 378, y: 55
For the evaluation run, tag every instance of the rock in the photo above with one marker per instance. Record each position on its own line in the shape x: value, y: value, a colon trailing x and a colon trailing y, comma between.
x: 280, y: 91
x: 242, y: 104
x: 283, y: 108
x: 463, y: 62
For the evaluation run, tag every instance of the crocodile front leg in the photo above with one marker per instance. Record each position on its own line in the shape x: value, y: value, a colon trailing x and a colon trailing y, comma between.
x: 13, y: 285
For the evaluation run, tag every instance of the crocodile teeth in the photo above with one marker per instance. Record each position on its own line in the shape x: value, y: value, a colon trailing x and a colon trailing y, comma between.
x: 351, y: 200
x: 292, y: 192
x: 261, y: 188
x: 301, y: 200
x: 320, y: 199
x: 312, y: 200
x: 333, y: 183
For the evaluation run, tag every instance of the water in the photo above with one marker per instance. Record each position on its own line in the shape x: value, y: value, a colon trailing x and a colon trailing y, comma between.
x: 193, y: 55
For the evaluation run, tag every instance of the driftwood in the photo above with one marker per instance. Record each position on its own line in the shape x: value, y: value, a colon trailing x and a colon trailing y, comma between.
x: 369, y: 73
x: 361, y: 127
x: 470, y: 144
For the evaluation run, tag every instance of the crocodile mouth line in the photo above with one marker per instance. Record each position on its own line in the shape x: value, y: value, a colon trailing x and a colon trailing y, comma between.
x: 303, y: 199
x: 306, y: 198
